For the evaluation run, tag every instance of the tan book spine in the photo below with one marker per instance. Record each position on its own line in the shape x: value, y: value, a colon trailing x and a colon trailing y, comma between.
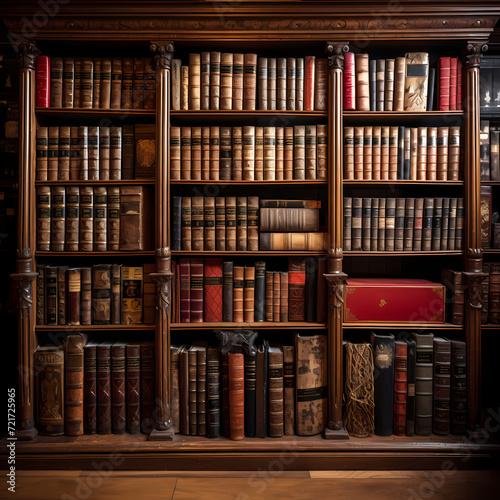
x: 225, y: 154
x: 113, y: 219
x: 291, y: 76
x: 276, y: 405
x: 138, y: 83
x: 241, y: 223
x: 385, y: 153
x: 72, y: 218
x: 284, y: 297
x: 83, y: 141
x: 276, y: 296
x: 176, y: 84
x: 134, y: 219
x: 311, y: 152
x: 289, y: 389
x: 288, y: 154
x: 196, y: 153
x: 205, y: 153
x: 74, y: 154
x: 237, y: 153
x: 77, y: 101
x: 237, y: 92
x: 43, y: 213
x: 197, y: 223
x: 281, y: 84
x: 432, y: 153
x: 248, y: 153
x: 215, y: 60
x: 105, y: 98
x: 205, y: 81
x: 413, y: 153
x: 362, y: 82
x: 399, y: 84
x: 442, y: 153
x: 231, y: 223
x: 250, y: 82
x: 271, y: 83
x: 186, y: 153
x: 376, y: 153
x: 280, y: 153
x: 58, y: 222
x: 53, y: 162
x: 238, y: 293
x: 262, y: 82
x: 194, y: 81
x: 393, y: 153
x: 68, y: 82
x: 87, y: 83
x: 100, y: 218
x: 358, y: 152
x: 322, y: 152
x: 56, y: 82
x: 93, y: 153
x: 184, y: 88
x: 128, y: 83
x: 299, y: 153
x: 249, y: 295
x: 379, y: 84
x: 299, y: 85
x: 269, y: 153
x: 389, y: 85
x: 86, y: 219
x: 104, y: 153
x: 454, y: 154
x: 115, y: 153
x: 367, y: 153
x: 259, y: 154
x: 253, y: 223
x: 214, y: 153
x: 42, y: 153
x: 132, y: 279
x: 175, y: 153
x: 96, y: 83
x: 422, y: 153
x: 209, y: 219
x: 416, y: 75
x: 220, y: 223
x: 226, y: 81
x: 64, y: 154
x: 116, y: 83
x: 186, y: 223
x: 269, y: 296
x: 321, y: 84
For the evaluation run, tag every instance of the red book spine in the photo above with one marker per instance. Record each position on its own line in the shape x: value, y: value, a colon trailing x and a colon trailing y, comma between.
x: 236, y: 396
x: 296, y: 295
x: 459, y: 84
x: 196, y: 293
x: 444, y: 84
x: 453, y: 83
x: 349, y: 82
x: 42, y: 82
x: 400, y: 387
x: 185, y: 290
x: 310, y: 63
x: 213, y: 289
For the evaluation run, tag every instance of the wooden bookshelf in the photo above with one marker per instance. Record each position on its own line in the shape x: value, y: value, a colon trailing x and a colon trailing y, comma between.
x: 360, y: 253
x: 107, y: 253
x: 291, y: 183
x: 401, y: 326
x: 94, y: 328
x: 113, y: 182
x: 399, y: 183
x: 264, y: 325
x: 94, y: 113
x: 260, y: 253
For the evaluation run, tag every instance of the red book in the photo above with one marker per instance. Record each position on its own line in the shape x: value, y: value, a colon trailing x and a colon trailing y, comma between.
x: 310, y: 63
x: 400, y: 387
x: 185, y: 290
x: 196, y: 292
x: 296, y: 288
x: 236, y: 396
x: 453, y: 83
x: 213, y: 289
x: 42, y: 82
x: 349, y: 82
x: 444, y: 84
x: 459, y: 84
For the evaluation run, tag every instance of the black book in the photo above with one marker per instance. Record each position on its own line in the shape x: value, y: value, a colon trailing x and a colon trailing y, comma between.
x: 430, y: 91
x: 227, y: 291
x: 311, y: 288
x: 437, y: 222
x: 401, y: 152
x: 250, y: 393
x: 373, y: 84
x: 176, y: 223
x: 261, y: 405
x: 260, y: 292
x: 410, y: 399
x: 383, y: 357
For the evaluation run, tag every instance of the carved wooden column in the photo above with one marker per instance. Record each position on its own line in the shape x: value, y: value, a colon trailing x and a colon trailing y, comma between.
x: 334, y: 276
x: 26, y: 241
x: 473, y: 256
x: 163, y: 276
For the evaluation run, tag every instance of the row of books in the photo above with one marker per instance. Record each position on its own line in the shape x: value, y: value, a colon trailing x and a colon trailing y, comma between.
x: 411, y: 153
x: 225, y: 81
x: 249, y: 153
x: 104, y: 294
x: 94, y: 153
x: 401, y: 84
x: 95, y: 387
x: 489, y: 147
x: 213, y: 290
x: 92, y: 218
x: 420, y: 385
x: 403, y: 224
x: 234, y: 222
x: 255, y: 392
x: 86, y: 82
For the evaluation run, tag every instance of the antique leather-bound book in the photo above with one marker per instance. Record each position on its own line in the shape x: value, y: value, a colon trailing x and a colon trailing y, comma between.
x: 389, y: 85
x: 96, y: 82
x: 291, y: 77
x: 281, y: 83
x: 115, y: 154
x: 175, y: 153
x: 53, y: 154
x: 321, y: 84
x: 399, y: 84
x: 56, y: 82
x: 381, y: 224
x: 238, y: 293
x: 149, y: 84
x: 445, y: 224
x: 288, y: 157
x: 296, y: 288
x: 74, y: 296
x: 271, y: 83
x: 231, y: 228
x: 299, y: 152
x: 262, y: 83
x: 84, y: 83
x: 42, y: 153
x: 49, y: 369
x: 442, y: 379
x: 209, y: 223
x: 186, y: 223
x: 215, y: 78
x: 404, y: 152
x: 127, y: 83
x: 428, y: 229
x: 423, y: 383
x: 311, y: 384
x: 72, y: 218
x: 184, y: 389
x: 201, y: 386
x: 413, y: 153
x: 432, y: 153
x: 410, y: 396
x: 380, y: 85
x: 252, y: 223
x: 236, y: 396
x: 226, y: 81
x: 400, y: 387
x: 422, y: 153
x: 205, y: 81
x: 259, y: 154
x: 358, y: 152
x: 73, y: 398
x: 175, y: 386
x: 458, y: 387
x: 113, y: 218
x: 213, y: 392
x: 82, y: 162
x: 137, y: 83
x: 42, y: 73
x: 249, y: 294
x: 213, y: 300
x: 93, y: 153
x: 442, y: 153
x: 372, y: 81
x: 147, y: 386
x: 269, y: 153
x: 105, y: 89
x: 394, y: 155
x: 349, y: 164
x: 250, y: 82
x: 366, y: 212
x: 227, y: 290
x: 90, y: 388
x: 276, y: 392
x: 118, y: 388
x: 453, y: 83
x: 416, y: 75
x: 276, y: 296
x: 225, y: 393
x: 214, y: 153
x: 196, y: 153
x: 64, y: 154
x: 250, y: 392
x: 347, y: 223
x: 374, y: 211
x: 279, y: 153
x: 417, y: 224
x: 454, y: 155
x: 383, y: 358
x: 61, y: 295
x: 86, y: 296
x: 116, y: 293
x: 128, y: 152
x: 185, y: 290
x: 443, y: 94
x: 399, y: 225
x: 101, y: 294
x: 452, y: 225
x: 309, y: 83
x: 409, y: 220
x: 248, y: 153
x: 197, y: 223
x: 134, y: 225
x: 184, y: 88
x: 132, y: 295
x: 193, y: 391
x: 390, y: 224
x: 260, y: 291
x: 459, y: 233
x: 220, y: 223
x: 311, y: 289
x: 145, y: 153
x: 261, y: 382
x: 437, y: 223
x: 321, y: 154
x: 58, y: 218
x: 349, y: 90
x: 289, y: 389
x: 132, y: 394
x: 148, y: 307
x: 311, y: 152
x: 196, y: 293
x: 104, y: 411
x: 225, y: 154
x: 205, y: 153
x: 242, y: 223
x: 237, y: 91
x: 100, y: 218
x: 116, y: 82
x: 362, y: 82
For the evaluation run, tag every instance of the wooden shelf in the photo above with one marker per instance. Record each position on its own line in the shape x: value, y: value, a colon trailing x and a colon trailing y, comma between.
x: 94, y: 112
x: 490, y: 327
x: 93, y: 328
x: 490, y: 183
x: 400, y: 183
x: 42, y: 253
x: 265, y: 325
x: 288, y: 183
x: 125, y: 182
x: 491, y: 250
x: 260, y: 253
x: 430, y: 115
x: 360, y: 253
x: 401, y: 326
x: 239, y: 114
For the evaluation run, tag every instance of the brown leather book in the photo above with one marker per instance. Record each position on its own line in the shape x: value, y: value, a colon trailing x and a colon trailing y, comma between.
x: 115, y: 155
x: 209, y: 223
x: 380, y: 85
x: 459, y: 232
x: 226, y: 81
x: 225, y: 154
x: 262, y: 82
x: 432, y: 155
x: 358, y: 153
x: 93, y: 153
x: 269, y: 312
x: 259, y: 154
x: 281, y: 83
x: 86, y: 296
x: 100, y: 218
x: 253, y: 223
x: 299, y: 84
x: 376, y: 153
x: 201, y: 386
x: 184, y: 390
x: 72, y: 218
x: 145, y: 152
x: 237, y: 92
x: 74, y: 296
x: 134, y: 215
x: 74, y: 154
x: 86, y: 87
x: 296, y: 288
x: 280, y: 153
x: 149, y: 84
x: 175, y: 153
x: 442, y: 378
x: 455, y: 294
x: 64, y: 152
x: 321, y: 152
x: 238, y: 293
x: 186, y: 223
x: 289, y: 389
x: 106, y: 70
x: 127, y: 83
x: 58, y: 219
x: 73, y: 367
x: 113, y: 218
x: 389, y: 85
x: 236, y: 396
x: 367, y: 153
x: 176, y: 84
x: 214, y: 153
x: 42, y: 153
x: 400, y: 387
x: 118, y: 388
x: 96, y: 83
x: 393, y: 153
x: 128, y: 152
x: 399, y: 225
x: 186, y: 155
x: 458, y: 387
x: 283, y: 297
x: 390, y: 224
x: 454, y: 154
x: 101, y: 294
x: 83, y: 135
x: 196, y: 153
x: 205, y: 153
x: 311, y: 384
x: 213, y: 392
x: 215, y: 80
x: 271, y: 83
x: 249, y: 294
x: 321, y: 84
x: 148, y: 395
x: 132, y: 279
x: 362, y: 82
x: 384, y: 153
x: 205, y: 81
x: 248, y: 153
x: 288, y: 157
x: 184, y: 88
x: 90, y: 388
x: 220, y: 223
x: 56, y: 82
x: 347, y: 223
x: 250, y: 82
x: 276, y: 296
x: 115, y: 294
x: 422, y: 153
x: 149, y: 294
x: 399, y: 84
x: 61, y: 295
x: 53, y: 152
x: 193, y: 392
x: 197, y: 223
x: 194, y: 81
x: 357, y: 224
x: 452, y: 224
x: 310, y: 152
x: 409, y: 222
x: 86, y: 218
x: 289, y: 219
x: 424, y: 383
x: 138, y: 83
x: 381, y: 224
x: 276, y: 396
x: 231, y: 223
x: 77, y: 83
x: 49, y: 370
x: 242, y: 223
x: 103, y: 389
x: 175, y: 381
x: 291, y: 78
x: 442, y: 153
x: 416, y: 76
x: 132, y: 393
x: 227, y: 292
x: 299, y: 152
x: 293, y: 241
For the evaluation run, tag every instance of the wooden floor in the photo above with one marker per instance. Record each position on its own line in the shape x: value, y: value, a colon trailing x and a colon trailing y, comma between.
x: 267, y: 484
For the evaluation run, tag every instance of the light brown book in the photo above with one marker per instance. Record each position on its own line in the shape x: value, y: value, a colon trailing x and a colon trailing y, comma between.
x: 115, y: 153
x: 56, y: 82
x: 379, y: 84
x: 389, y: 85
x: 385, y: 153
x: 281, y: 83
x: 299, y: 153
x: 269, y: 153
x: 358, y: 152
x: 116, y: 82
x: 248, y: 153
x: 259, y: 154
x: 96, y: 83
x: 432, y: 153
x: 42, y: 153
x: 237, y: 92
x: 64, y: 154
x: 220, y: 223
x: 196, y: 153
x: 293, y: 241
x: 209, y: 221
x: 322, y: 152
x: 399, y: 84
x: 134, y: 221
x: 104, y: 153
x: 205, y: 81
x: 249, y: 294
x: 106, y: 69
x: 215, y: 61
x: 454, y: 154
x: 321, y: 84
x: 231, y: 223
x: 197, y: 223
x: 194, y: 81
x: 289, y: 389
x: 422, y: 153
x: 68, y: 82
x: 253, y: 223
x: 184, y: 88
x: 367, y: 153
x: 442, y: 153
x: 250, y: 82
x: 72, y: 218
x: 393, y: 153
x: 276, y: 396
x: 299, y: 84
x: 236, y: 363
x: 214, y: 153
x: 241, y: 223
x: 53, y: 151
x: 311, y: 152
x: 186, y: 223
x: 291, y: 76
x: 145, y: 151
x: 238, y: 293
x: 225, y: 154
x: 376, y: 153
x: 269, y: 308
x: 276, y: 296
x: 82, y: 161
x: 226, y: 81
x: 86, y: 84
x: 127, y: 83
x: 416, y: 76
x: 86, y: 296
x: 86, y: 218
x: 93, y: 154
x: 205, y: 153
x: 280, y: 153
x: 284, y: 297
x: 138, y: 83
x: 271, y: 83
x: 100, y: 218
x: 262, y: 82
x: 175, y: 153
x: 176, y: 84
x: 288, y: 154
x: 113, y: 219
x: 185, y: 152
x: 77, y: 84
x: 413, y: 153
x: 57, y: 221
x: 362, y: 82
x: 132, y: 279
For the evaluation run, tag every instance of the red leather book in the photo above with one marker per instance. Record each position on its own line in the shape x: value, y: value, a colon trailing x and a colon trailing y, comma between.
x: 118, y: 389
x: 444, y: 84
x: 42, y: 82
x: 349, y: 82
x: 148, y: 396
x: 213, y: 290
x: 236, y: 364
x: 398, y: 300
x: 400, y: 387
x: 459, y: 84
x: 310, y: 63
x: 185, y: 290
x: 453, y: 83
x: 104, y: 388
x: 296, y: 288
x: 196, y: 292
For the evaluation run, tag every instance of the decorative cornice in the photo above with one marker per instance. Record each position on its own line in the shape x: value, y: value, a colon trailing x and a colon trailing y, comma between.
x: 472, y: 54
x: 164, y: 52
x: 336, y: 51
x: 27, y: 52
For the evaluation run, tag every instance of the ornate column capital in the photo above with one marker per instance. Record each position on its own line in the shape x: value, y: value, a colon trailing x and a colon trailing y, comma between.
x: 336, y: 292
x: 24, y: 288
x: 27, y: 54
x: 336, y: 51
x: 164, y: 51
x: 162, y: 292
x: 473, y: 53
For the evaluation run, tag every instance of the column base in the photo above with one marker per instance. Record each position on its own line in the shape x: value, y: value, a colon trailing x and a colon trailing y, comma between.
x: 167, y: 435
x: 337, y: 435
x: 27, y: 435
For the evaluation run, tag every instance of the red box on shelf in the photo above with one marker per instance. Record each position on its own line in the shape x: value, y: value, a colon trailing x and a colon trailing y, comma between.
x: 394, y: 300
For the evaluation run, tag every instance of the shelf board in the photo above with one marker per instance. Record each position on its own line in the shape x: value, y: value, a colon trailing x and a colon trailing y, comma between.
x: 234, y: 113
x: 490, y: 250
x: 93, y: 328
x: 43, y: 253
x: 490, y: 183
x: 351, y: 182
x: 265, y: 325
x: 490, y: 327
x: 94, y: 112
x: 288, y: 183
x: 259, y: 253
x: 402, y: 114
x: 121, y: 182
x: 398, y: 326
x: 360, y: 253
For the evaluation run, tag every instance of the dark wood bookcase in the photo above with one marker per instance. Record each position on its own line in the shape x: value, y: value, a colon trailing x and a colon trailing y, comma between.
x: 166, y: 29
